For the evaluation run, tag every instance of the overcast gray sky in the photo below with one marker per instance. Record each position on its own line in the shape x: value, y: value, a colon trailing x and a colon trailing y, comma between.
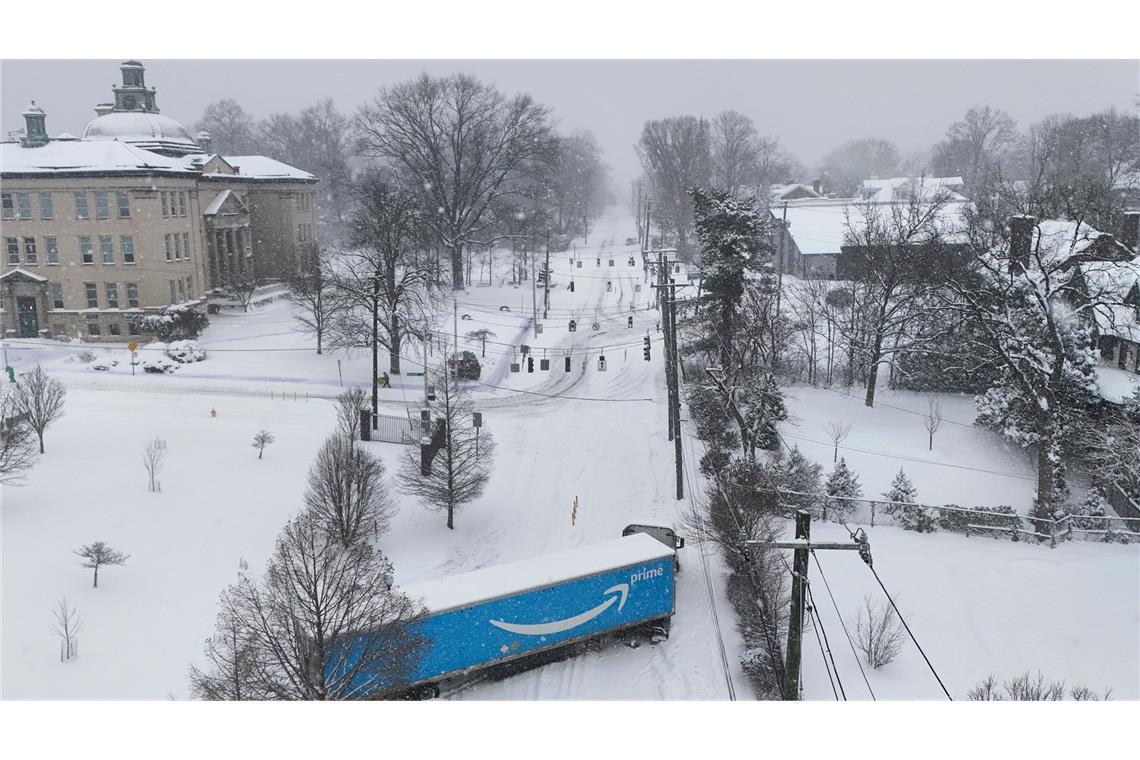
x: 811, y: 106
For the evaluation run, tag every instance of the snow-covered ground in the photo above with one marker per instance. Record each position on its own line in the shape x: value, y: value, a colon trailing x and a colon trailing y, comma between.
x: 977, y: 605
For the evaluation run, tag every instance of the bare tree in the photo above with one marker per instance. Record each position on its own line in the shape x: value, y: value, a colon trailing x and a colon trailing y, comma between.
x: 323, y: 624
x: 878, y: 634
x: 348, y: 406
x: 384, y: 278
x: 856, y: 160
x: 481, y: 335
x: 231, y: 654
x: 39, y: 399
x: 154, y: 455
x: 838, y: 432
x: 975, y: 145
x: 17, y: 442
x: 463, y: 142
x: 735, y: 164
x: 311, y: 291
x: 99, y: 554
x: 261, y: 440
x: 675, y: 155
x: 347, y: 491
x: 242, y: 286
x: 231, y: 128
x: 462, y: 465
x: 932, y: 421
x: 67, y: 625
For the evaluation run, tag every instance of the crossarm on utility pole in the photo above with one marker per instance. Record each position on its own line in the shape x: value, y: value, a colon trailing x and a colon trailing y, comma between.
x: 802, y: 545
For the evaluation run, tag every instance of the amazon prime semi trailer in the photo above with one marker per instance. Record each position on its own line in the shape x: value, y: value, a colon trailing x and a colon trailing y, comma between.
x: 492, y: 616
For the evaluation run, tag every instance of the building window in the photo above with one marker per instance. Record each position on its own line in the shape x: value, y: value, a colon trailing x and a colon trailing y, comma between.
x: 181, y: 291
x: 127, y: 246
x: 56, y: 295
x: 92, y: 292
x: 112, y: 295
x: 81, y: 211
x: 172, y: 296
x: 182, y: 204
x: 124, y: 202
x: 52, y: 249
x: 162, y: 196
x: 106, y: 249
x: 93, y: 328
x: 186, y: 245
x: 102, y: 209
x: 47, y: 206
x: 177, y: 247
x: 30, y: 255
x: 86, y: 252
x: 132, y: 295
x: 189, y: 287
x: 114, y: 329
x: 169, y: 254
x: 24, y: 205
x: 7, y: 206
x: 13, y: 246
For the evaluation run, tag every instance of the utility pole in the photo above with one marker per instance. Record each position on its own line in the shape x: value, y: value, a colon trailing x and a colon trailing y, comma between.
x: 801, y: 546
x: 667, y: 289
x: 455, y: 326
x: 546, y: 280
x: 375, y: 349
x: 533, y: 299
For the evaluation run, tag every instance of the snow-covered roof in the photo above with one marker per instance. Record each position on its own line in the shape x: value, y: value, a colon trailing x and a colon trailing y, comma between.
x: 24, y: 273
x: 109, y: 156
x: 88, y: 156
x: 150, y: 131
x: 821, y: 226
x: 263, y: 167
x: 219, y: 200
x: 904, y: 188
x: 460, y: 590
x: 794, y: 190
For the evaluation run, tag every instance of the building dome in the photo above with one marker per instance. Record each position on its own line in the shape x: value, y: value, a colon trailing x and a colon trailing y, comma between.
x: 149, y: 131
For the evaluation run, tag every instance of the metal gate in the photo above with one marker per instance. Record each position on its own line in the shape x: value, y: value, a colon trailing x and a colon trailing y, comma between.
x: 394, y: 430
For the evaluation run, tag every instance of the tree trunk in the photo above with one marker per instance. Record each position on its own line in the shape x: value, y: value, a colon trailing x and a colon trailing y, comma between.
x: 395, y: 339
x: 873, y: 369
x: 457, y: 266
x: 40, y: 435
x: 260, y: 452
x: 96, y: 585
x: 1044, y: 502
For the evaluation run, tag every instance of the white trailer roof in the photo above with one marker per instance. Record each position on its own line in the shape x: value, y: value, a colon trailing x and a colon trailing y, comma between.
x: 460, y: 590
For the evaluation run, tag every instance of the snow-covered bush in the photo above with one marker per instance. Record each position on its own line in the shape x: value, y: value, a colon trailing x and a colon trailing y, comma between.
x: 185, y: 351
x: 159, y: 365
x: 469, y: 368
x: 1094, y: 505
x: 175, y: 323
x: 878, y: 633
x: 85, y: 356
x: 992, y: 517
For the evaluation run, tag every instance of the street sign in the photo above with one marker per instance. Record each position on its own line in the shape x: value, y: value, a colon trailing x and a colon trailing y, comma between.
x: 415, y: 374
x: 133, y: 346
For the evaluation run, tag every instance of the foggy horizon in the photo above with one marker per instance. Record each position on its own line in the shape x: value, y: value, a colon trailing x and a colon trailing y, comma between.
x: 910, y: 103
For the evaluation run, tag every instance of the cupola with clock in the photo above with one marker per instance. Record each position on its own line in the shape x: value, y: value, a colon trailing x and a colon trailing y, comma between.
x: 133, y: 95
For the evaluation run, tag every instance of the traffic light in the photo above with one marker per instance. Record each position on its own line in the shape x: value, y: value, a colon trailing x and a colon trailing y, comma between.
x: 530, y: 364
x: 573, y: 325
x: 567, y: 363
x: 645, y: 349
x: 571, y: 286
x: 629, y: 322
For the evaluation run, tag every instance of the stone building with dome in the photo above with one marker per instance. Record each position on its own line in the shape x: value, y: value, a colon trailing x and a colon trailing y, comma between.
x: 135, y: 216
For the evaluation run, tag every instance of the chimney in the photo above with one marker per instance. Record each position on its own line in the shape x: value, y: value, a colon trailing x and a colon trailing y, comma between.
x: 1020, y: 241
x: 817, y: 186
x: 1130, y: 230
x: 205, y: 142
x: 102, y: 109
x: 35, y: 128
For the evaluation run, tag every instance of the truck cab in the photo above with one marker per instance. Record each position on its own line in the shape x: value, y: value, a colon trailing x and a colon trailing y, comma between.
x: 662, y: 533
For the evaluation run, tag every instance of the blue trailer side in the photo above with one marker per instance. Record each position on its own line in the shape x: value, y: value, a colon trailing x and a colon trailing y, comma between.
x: 476, y: 620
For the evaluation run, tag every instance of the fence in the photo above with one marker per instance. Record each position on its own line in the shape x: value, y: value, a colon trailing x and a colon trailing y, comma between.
x: 1001, y: 522
x: 394, y: 430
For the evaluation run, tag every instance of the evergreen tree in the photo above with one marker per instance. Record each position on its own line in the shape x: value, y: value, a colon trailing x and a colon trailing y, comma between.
x: 799, y: 474
x: 731, y: 233
x: 764, y: 409
x: 917, y: 518
x: 842, y: 482
x: 902, y: 489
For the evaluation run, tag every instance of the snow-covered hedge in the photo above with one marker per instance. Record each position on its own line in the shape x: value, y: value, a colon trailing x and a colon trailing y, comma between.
x: 956, y: 518
x: 175, y: 323
x: 159, y: 365
x: 185, y: 351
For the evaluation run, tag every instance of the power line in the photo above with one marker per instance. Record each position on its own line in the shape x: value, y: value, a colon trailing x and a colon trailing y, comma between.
x: 909, y: 632
x: 815, y: 627
x: 815, y: 617
x: 846, y: 633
